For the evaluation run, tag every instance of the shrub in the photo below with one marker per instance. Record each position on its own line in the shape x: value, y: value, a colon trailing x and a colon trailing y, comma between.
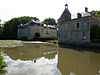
x: 2, y: 62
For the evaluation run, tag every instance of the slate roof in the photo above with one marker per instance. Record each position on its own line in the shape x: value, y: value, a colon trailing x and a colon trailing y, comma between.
x: 65, y: 15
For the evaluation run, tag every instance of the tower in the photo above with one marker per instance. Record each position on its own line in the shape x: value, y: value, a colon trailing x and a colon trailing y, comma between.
x: 66, y: 15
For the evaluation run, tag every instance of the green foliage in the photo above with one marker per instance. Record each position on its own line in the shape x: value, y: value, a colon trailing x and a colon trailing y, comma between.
x: 53, y: 41
x: 36, y: 19
x: 95, y: 13
x: 1, y: 32
x: 95, y: 32
x: 49, y: 21
x: 10, y: 27
x: 2, y: 62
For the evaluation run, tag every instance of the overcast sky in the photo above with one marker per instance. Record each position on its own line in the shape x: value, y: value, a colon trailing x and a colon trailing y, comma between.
x: 43, y: 8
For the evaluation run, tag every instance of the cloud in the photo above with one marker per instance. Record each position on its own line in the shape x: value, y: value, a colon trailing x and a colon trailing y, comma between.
x: 43, y: 8
x: 42, y: 66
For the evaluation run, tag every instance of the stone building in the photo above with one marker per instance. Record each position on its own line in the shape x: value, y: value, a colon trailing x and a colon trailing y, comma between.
x: 35, y: 29
x: 77, y: 30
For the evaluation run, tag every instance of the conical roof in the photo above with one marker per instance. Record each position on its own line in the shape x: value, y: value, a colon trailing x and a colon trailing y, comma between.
x: 66, y: 15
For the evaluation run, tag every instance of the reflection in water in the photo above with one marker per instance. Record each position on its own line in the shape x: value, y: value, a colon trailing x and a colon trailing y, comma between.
x: 3, y: 72
x: 32, y: 59
x: 47, y: 59
x: 42, y: 66
x: 31, y: 51
x: 72, y: 62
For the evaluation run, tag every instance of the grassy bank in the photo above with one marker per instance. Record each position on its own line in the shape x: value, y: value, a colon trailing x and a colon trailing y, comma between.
x: 10, y: 43
x: 53, y: 41
x: 2, y: 62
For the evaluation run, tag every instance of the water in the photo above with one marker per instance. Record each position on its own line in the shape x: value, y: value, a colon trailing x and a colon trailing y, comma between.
x: 48, y: 59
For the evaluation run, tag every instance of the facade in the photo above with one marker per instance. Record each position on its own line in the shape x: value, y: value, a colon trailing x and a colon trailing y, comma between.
x: 35, y: 29
x: 78, y: 30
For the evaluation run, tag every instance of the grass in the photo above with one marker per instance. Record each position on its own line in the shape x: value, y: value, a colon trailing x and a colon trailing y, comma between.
x: 10, y: 43
x: 53, y: 41
x: 2, y: 62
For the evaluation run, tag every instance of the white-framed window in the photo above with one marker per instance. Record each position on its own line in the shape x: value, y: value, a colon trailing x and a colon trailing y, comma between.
x: 84, y: 36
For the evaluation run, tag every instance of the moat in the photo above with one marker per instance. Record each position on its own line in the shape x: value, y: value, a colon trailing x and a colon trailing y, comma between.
x: 50, y: 59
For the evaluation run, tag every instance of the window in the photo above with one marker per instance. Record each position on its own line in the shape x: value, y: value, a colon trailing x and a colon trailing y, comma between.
x: 29, y: 29
x: 66, y: 27
x: 84, y: 25
x: 77, y: 25
x: 59, y: 35
x: 47, y: 32
x: 84, y: 36
x: 29, y: 34
x: 70, y: 36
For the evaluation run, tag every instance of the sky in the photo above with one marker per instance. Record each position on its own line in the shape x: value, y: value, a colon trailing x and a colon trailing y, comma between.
x: 43, y: 8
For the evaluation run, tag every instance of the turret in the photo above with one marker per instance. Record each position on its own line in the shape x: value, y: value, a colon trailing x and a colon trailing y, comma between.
x: 66, y: 15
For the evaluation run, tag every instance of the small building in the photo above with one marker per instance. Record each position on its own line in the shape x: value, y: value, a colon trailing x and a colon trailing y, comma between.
x: 80, y: 30
x: 35, y: 29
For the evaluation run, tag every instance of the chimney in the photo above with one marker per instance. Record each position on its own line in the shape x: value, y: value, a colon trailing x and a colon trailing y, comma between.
x: 86, y: 9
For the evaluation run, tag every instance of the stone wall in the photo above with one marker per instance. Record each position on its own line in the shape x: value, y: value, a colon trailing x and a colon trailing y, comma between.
x: 29, y: 32
x: 74, y: 31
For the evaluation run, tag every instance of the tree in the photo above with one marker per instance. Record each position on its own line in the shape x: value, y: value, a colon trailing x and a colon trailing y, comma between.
x: 10, y: 27
x: 94, y: 32
x: 49, y: 21
x: 36, y: 19
x: 95, y: 29
x: 95, y: 13
x: 1, y: 30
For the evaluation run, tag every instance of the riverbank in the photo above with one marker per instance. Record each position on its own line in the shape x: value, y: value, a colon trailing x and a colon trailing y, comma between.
x: 15, y: 43
x: 10, y: 43
x: 53, y: 41
x: 94, y: 47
